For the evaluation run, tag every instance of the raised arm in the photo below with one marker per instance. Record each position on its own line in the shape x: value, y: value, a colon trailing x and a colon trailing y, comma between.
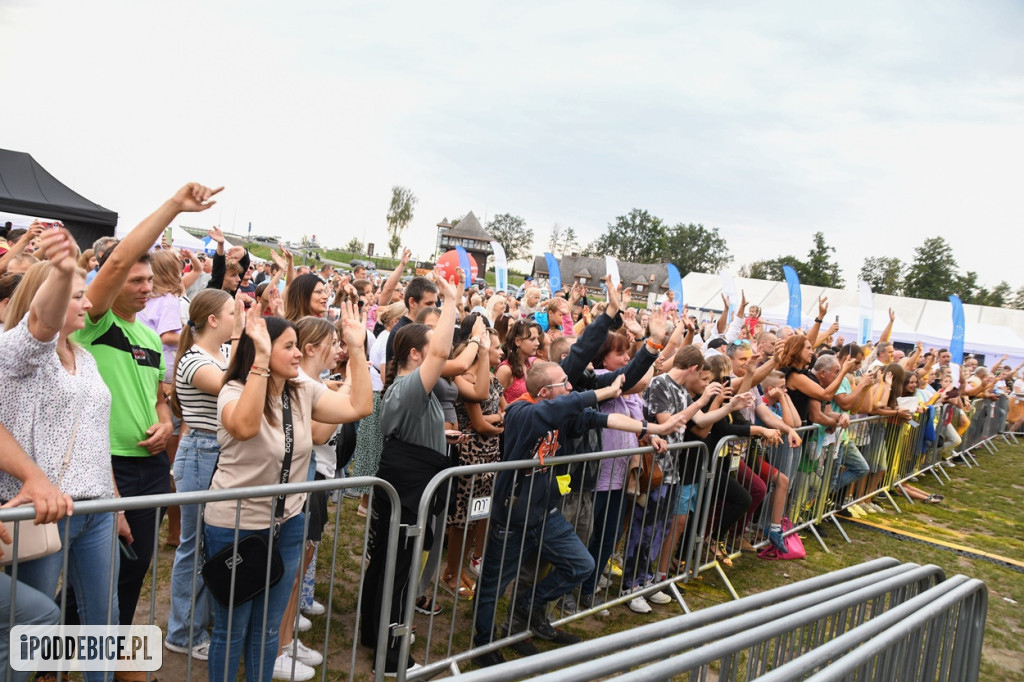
x: 34, y: 230
x: 336, y: 407
x: 812, y: 333
x: 388, y: 290
x: 440, y: 343
x: 813, y: 389
x: 49, y: 306
x: 191, y: 198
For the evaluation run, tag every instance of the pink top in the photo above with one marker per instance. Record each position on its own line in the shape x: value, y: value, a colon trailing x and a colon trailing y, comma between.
x: 518, y: 386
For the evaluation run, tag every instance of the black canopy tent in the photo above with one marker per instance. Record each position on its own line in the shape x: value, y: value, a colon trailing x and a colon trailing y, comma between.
x: 28, y: 189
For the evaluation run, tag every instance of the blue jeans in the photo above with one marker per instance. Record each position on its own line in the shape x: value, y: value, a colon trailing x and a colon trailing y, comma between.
x: 609, y: 510
x: 855, y: 466
x: 648, y: 528
x: 247, y: 625
x: 193, y: 469
x: 31, y: 607
x: 557, y: 543
x: 90, y: 542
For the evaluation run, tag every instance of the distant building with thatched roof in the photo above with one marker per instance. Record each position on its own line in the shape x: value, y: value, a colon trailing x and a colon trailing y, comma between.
x: 643, y: 278
x: 470, y: 235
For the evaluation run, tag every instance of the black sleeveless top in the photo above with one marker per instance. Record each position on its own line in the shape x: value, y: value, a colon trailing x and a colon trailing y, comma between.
x: 801, y: 401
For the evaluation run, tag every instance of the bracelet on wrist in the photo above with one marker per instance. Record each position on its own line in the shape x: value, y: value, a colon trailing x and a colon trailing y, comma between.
x: 643, y: 429
x: 260, y: 371
x: 655, y: 346
x: 819, y: 320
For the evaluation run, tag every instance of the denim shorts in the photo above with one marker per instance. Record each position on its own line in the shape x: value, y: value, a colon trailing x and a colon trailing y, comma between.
x: 687, y: 499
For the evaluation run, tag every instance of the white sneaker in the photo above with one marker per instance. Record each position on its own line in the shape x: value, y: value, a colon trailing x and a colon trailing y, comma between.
x: 659, y: 597
x: 283, y: 669
x: 639, y: 605
x: 473, y: 568
x: 316, y: 609
x: 304, y: 623
x: 603, y: 582
x: 200, y: 652
x: 303, y: 654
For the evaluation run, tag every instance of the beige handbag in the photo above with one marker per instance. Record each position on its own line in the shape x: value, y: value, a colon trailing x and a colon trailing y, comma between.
x: 36, y: 541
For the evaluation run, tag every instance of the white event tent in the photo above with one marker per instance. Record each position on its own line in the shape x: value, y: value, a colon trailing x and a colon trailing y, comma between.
x: 990, y: 331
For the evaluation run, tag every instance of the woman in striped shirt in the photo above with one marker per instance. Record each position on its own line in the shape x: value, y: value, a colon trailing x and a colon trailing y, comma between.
x: 214, y: 319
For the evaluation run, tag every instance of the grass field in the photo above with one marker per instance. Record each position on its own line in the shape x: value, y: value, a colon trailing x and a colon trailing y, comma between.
x: 981, y: 511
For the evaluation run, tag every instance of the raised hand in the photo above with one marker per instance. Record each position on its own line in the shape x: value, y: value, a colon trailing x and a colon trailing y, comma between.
x: 614, y: 303
x: 58, y: 247
x: 657, y: 327
x: 444, y: 287
x: 479, y: 331
x: 216, y: 234
x: 256, y: 330
x: 274, y: 302
x: 353, y: 329
x: 193, y: 198
x: 406, y: 257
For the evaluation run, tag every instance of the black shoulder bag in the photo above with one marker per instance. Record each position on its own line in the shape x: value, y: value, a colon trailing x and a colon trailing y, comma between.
x: 243, y: 564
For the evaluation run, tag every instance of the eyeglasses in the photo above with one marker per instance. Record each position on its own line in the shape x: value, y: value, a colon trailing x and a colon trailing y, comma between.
x: 741, y: 342
x: 564, y: 383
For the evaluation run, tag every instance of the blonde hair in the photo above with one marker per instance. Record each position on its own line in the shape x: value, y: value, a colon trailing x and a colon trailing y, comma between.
x: 392, y: 312
x: 166, y: 274
x: 21, y: 299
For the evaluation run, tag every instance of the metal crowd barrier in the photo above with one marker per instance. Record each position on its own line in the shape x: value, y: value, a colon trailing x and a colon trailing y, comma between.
x: 804, y: 481
x: 162, y: 561
x: 657, y: 631
x: 786, y: 633
x: 934, y: 637
x: 643, y: 518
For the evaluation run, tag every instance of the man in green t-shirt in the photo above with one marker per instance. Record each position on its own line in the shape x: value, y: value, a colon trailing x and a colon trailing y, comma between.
x: 130, y: 360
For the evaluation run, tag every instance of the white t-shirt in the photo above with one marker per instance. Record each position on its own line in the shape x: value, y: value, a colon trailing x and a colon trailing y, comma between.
x: 377, y: 353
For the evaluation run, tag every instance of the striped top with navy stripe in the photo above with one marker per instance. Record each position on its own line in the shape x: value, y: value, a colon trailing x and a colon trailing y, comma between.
x: 198, y: 409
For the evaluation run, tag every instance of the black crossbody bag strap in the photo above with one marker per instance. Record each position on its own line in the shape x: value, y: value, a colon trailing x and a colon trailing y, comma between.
x: 289, y: 445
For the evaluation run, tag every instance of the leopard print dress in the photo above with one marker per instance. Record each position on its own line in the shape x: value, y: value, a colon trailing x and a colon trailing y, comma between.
x: 477, y: 450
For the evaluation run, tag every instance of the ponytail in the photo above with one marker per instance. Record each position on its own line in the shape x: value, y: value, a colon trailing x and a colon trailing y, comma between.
x: 207, y: 302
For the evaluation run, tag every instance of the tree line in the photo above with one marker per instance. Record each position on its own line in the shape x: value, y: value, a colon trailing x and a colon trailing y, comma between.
x: 639, y: 237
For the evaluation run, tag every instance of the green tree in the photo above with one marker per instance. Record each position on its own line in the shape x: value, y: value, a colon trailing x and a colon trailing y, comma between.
x: 399, y: 216
x: 354, y: 245
x: 512, y: 233
x: 1001, y: 295
x: 771, y: 270
x: 884, y: 274
x: 933, y: 273
x: 637, y: 237
x: 819, y: 268
x: 694, y: 248
x: 1018, y: 299
x: 563, y: 241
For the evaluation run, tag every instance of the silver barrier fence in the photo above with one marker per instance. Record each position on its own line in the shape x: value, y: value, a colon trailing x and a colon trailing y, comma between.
x: 161, y: 563
x: 809, y: 484
x: 739, y: 640
x: 651, y: 513
x: 935, y: 636
x: 657, y: 631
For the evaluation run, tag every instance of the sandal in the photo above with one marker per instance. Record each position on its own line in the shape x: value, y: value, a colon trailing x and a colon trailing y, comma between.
x: 426, y: 606
x: 722, y: 556
x: 933, y: 499
x: 466, y: 587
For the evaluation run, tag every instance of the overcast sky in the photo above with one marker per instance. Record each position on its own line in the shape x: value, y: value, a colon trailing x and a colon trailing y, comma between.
x: 878, y: 123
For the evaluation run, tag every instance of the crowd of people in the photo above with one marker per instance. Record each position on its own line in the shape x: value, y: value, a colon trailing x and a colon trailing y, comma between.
x: 129, y: 369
